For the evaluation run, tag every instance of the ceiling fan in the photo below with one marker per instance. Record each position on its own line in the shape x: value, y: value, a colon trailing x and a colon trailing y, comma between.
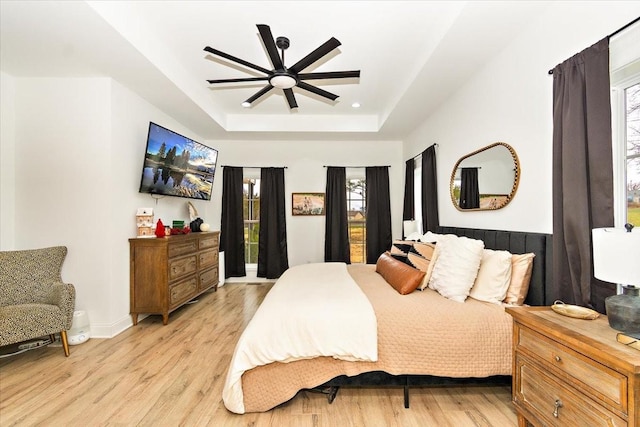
x: 282, y: 77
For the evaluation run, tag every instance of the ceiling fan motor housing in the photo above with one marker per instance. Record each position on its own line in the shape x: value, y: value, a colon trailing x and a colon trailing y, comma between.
x: 282, y: 43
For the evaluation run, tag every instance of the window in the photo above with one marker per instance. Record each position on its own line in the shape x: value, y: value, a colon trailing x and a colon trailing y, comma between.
x: 626, y: 157
x: 624, y: 64
x: 417, y: 193
x: 356, y: 219
x: 251, y: 217
x: 632, y: 137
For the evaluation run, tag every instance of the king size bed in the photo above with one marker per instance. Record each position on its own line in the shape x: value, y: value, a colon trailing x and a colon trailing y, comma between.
x: 326, y: 324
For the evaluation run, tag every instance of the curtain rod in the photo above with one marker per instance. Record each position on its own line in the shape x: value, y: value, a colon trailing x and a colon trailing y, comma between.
x: 619, y: 30
x: 253, y: 167
x: 384, y: 166
x: 420, y: 154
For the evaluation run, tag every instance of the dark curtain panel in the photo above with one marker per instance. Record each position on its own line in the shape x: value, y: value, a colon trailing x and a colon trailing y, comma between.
x: 378, y: 212
x: 272, y: 244
x: 469, y: 191
x: 408, y: 211
x: 232, y: 227
x: 336, y: 234
x: 582, y: 173
x: 430, y: 221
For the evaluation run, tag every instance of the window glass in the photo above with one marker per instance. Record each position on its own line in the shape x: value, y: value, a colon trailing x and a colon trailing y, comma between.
x: 356, y: 218
x: 251, y: 217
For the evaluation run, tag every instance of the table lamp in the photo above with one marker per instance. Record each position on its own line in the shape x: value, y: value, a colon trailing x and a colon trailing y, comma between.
x: 616, y: 259
x: 410, y: 227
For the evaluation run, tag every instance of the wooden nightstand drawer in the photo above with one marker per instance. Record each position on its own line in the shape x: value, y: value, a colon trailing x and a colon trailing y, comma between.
x: 181, y: 248
x: 182, y: 291
x: 596, y: 379
x: 555, y: 404
x: 181, y: 267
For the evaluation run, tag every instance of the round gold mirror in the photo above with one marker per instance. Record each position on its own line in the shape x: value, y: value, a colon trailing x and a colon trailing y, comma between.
x: 486, y: 179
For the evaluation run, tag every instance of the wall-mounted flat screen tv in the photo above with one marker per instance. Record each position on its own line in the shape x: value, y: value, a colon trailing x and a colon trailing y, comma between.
x: 175, y: 165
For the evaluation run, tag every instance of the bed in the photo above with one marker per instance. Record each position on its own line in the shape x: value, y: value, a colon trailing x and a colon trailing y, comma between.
x: 418, y: 337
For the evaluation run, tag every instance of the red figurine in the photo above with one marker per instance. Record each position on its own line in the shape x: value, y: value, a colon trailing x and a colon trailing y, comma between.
x: 160, y: 229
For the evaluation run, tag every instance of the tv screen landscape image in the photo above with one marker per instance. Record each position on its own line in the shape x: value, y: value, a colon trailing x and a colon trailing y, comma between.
x: 175, y: 165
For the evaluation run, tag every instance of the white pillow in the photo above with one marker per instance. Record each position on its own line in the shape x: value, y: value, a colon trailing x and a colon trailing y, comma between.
x: 494, y: 277
x: 456, y: 266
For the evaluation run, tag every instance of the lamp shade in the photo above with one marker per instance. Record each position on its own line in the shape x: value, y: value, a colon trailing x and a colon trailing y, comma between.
x: 616, y: 255
x: 410, y: 227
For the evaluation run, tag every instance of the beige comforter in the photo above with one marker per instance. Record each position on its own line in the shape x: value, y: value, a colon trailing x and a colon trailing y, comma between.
x: 421, y: 333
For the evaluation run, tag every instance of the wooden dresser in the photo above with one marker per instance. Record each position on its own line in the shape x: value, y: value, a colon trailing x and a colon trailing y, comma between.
x: 572, y: 372
x: 167, y: 272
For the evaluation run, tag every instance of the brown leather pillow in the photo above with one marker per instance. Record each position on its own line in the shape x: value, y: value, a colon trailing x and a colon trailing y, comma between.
x: 402, y: 277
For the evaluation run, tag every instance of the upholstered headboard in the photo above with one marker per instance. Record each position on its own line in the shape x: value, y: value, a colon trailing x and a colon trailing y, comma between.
x: 518, y: 242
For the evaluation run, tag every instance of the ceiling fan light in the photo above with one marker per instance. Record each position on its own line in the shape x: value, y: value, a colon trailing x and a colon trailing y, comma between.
x: 283, y: 81
x: 246, y: 104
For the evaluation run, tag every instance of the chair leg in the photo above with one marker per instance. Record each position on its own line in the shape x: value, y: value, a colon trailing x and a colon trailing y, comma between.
x: 65, y: 342
x: 52, y: 337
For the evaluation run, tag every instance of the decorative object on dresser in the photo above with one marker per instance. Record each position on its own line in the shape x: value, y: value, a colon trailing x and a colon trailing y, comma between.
x: 570, y: 371
x: 144, y: 222
x: 616, y: 259
x: 167, y: 273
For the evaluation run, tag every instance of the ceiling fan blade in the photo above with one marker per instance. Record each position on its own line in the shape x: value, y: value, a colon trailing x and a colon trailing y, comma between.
x: 327, y: 47
x: 238, y: 60
x: 247, y: 79
x: 259, y: 93
x: 329, y: 75
x: 272, y: 50
x: 291, y: 98
x: 317, y: 91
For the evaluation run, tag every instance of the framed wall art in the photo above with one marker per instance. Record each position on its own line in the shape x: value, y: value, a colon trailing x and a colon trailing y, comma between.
x: 307, y: 204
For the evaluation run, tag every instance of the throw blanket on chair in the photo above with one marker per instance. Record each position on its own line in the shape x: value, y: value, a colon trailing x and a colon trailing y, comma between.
x: 312, y: 310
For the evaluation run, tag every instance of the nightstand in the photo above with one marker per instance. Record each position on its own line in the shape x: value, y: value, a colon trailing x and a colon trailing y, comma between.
x: 572, y: 372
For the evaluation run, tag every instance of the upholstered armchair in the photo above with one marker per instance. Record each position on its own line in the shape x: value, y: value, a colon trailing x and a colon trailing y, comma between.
x: 33, y: 300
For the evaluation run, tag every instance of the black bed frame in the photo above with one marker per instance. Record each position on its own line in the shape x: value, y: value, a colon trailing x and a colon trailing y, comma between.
x: 516, y: 242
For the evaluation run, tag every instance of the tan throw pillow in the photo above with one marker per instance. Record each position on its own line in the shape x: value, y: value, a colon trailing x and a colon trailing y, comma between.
x: 494, y: 277
x: 403, y: 278
x: 521, y: 267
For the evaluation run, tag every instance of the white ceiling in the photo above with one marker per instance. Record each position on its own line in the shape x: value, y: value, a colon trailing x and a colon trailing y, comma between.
x: 412, y: 56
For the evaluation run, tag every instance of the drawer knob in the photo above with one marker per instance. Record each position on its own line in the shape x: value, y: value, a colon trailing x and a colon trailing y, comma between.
x: 556, y: 408
x: 558, y: 359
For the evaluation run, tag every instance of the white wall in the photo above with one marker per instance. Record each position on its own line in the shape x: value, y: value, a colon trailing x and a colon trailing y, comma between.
x: 509, y: 100
x: 305, y: 173
x: 7, y: 168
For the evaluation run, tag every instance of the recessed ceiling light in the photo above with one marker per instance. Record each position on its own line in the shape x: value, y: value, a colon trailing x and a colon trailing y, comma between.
x: 246, y: 104
x: 356, y: 105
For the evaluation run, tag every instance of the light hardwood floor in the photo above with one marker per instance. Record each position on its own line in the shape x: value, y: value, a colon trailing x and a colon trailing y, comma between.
x: 155, y: 375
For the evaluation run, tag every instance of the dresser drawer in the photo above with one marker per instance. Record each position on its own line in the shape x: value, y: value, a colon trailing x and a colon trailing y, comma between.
x: 208, y: 258
x: 182, y: 248
x: 182, y: 291
x: 597, y: 379
x: 555, y: 404
x: 208, y: 279
x: 208, y: 242
x: 180, y: 267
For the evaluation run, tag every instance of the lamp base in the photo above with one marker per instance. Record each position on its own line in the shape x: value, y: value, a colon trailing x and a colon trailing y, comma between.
x: 623, y: 312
